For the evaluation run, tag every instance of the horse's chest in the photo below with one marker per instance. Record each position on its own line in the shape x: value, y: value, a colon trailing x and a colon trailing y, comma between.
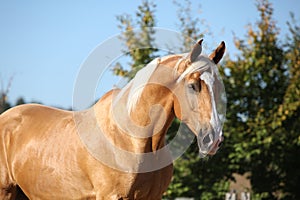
x: 150, y: 185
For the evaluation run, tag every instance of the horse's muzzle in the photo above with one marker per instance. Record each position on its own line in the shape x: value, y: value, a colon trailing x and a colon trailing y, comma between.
x: 216, y: 146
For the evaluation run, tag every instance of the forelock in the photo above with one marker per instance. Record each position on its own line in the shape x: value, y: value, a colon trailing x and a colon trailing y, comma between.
x: 202, y: 64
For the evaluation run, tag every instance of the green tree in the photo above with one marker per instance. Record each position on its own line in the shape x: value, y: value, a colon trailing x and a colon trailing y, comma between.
x: 138, y: 42
x: 287, y: 120
x: 20, y: 101
x: 188, y: 25
x: 262, y: 108
x: 4, y: 104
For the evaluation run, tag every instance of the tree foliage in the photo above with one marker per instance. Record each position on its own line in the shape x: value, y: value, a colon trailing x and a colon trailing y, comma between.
x: 4, y: 104
x: 188, y: 25
x: 138, y: 37
x: 263, y: 108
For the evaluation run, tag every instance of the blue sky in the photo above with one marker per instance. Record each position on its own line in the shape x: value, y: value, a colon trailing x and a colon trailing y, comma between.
x: 44, y: 43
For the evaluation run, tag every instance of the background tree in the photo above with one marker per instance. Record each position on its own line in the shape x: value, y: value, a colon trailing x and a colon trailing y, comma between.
x: 188, y: 25
x: 20, y: 101
x: 262, y: 109
x: 139, y: 42
x: 4, y: 104
x: 287, y: 120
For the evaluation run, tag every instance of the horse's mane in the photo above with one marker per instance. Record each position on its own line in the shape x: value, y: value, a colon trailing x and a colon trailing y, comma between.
x: 137, y: 84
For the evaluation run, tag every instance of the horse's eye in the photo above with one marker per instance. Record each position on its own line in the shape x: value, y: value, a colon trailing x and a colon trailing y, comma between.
x: 196, y: 87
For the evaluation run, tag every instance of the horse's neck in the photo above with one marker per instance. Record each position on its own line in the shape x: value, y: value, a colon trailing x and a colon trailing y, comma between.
x: 143, y: 130
x: 139, y: 123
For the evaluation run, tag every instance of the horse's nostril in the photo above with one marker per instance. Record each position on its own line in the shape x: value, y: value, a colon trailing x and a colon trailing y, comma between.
x: 220, y: 144
x: 206, y: 139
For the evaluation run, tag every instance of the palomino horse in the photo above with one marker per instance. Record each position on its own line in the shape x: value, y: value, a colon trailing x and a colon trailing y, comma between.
x: 103, y: 152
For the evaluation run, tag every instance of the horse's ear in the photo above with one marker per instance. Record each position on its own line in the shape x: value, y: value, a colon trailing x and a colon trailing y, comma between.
x: 196, y: 51
x: 217, y: 55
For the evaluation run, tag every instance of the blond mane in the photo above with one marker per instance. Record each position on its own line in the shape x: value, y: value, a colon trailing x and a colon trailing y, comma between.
x: 138, y: 83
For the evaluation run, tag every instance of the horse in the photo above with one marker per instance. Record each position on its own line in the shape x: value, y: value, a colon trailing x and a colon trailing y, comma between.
x: 116, y: 149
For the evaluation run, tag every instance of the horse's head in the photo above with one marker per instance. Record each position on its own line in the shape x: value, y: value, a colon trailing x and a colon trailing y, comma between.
x: 200, y: 98
x: 187, y: 84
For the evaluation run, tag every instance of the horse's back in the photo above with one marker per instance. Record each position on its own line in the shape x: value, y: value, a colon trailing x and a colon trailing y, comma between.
x: 38, y: 146
x: 27, y: 123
